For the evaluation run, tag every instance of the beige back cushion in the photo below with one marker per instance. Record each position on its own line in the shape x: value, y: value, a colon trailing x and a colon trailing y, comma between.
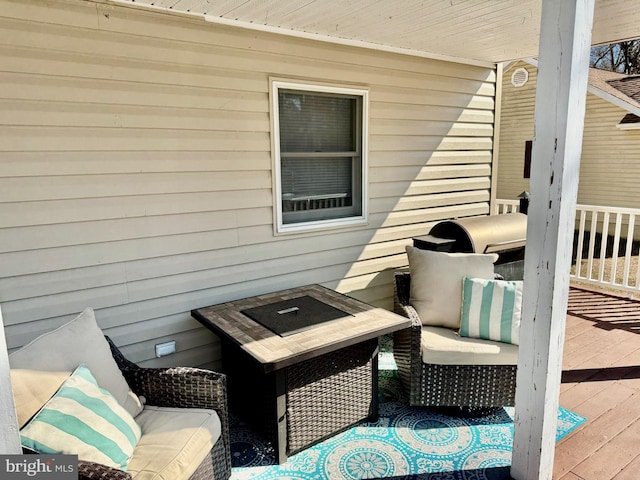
x: 32, y: 389
x: 76, y: 342
x: 436, y: 283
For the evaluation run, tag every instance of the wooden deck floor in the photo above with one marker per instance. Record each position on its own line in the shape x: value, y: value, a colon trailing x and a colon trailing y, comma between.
x: 601, y: 381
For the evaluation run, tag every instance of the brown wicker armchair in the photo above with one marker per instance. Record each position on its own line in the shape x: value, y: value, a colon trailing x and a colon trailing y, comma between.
x: 475, y: 386
x: 184, y: 426
x: 175, y: 387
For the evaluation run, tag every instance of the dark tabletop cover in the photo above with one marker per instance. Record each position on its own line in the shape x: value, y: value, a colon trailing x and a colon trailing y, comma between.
x: 294, y: 315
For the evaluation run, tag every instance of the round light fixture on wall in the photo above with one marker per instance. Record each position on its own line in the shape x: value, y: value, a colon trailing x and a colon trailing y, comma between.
x: 519, y: 77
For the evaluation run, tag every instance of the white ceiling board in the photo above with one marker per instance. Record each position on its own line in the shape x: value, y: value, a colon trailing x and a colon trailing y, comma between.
x: 479, y: 30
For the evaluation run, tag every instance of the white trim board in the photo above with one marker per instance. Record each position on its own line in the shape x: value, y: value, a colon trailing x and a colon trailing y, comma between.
x: 565, y: 39
x: 9, y: 436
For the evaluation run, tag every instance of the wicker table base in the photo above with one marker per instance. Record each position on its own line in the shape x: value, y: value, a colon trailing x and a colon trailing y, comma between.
x: 305, y: 403
x: 303, y: 388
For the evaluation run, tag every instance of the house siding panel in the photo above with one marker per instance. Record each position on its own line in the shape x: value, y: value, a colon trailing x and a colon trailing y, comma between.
x: 136, y: 169
x: 608, y: 167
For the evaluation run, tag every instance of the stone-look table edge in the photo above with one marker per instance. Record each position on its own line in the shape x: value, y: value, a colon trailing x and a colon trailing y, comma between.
x: 274, y: 352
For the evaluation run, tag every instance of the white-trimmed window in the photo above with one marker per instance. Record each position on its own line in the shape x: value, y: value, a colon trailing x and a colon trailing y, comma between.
x: 320, y: 150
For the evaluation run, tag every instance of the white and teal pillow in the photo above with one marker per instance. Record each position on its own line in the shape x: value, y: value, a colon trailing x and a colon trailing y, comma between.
x: 85, y: 420
x: 491, y: 309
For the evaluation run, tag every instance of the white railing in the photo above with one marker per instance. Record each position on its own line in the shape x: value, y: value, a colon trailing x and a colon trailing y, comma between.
x: 314, y: 202
x: 605, y: 252
x: 507, y: 206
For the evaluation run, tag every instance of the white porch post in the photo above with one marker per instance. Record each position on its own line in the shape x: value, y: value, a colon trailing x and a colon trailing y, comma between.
x: 565, y: 38
x: 9, y: 437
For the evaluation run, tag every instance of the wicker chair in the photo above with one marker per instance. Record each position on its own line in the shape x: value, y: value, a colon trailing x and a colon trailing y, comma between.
x: 175, y: 387
x: 470, y: 386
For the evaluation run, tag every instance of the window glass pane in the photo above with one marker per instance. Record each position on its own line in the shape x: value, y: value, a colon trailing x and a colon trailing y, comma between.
x: 316, y: 176
x: 313, y: 122
x: 320, y: 188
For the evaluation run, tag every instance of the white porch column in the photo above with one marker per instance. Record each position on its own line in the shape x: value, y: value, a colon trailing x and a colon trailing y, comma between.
x: 9, y: 437
x: 563, y: 70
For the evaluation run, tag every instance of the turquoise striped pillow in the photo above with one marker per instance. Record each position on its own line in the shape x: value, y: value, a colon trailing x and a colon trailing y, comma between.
x: 491, y: 309
x: 85, y: 420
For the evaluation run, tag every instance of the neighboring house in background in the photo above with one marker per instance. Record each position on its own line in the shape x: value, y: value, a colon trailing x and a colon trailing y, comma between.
x: 610, y: 162
x: 141, y: 174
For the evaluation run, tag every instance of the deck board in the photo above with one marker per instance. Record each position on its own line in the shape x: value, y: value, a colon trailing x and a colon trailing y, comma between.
x: 601, y: 381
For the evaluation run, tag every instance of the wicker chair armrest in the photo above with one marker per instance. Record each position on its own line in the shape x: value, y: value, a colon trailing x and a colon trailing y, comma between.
x: 185, y: 387
x: 407, y: 341
x: 402, y: 301
x: 410, y: 312
x: 92, y: 470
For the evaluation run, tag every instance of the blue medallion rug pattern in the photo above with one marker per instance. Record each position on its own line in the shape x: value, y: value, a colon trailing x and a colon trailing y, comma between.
x: 405, y: 443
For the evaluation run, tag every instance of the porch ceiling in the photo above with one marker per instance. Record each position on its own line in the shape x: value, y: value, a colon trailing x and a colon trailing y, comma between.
x: 469, y: 30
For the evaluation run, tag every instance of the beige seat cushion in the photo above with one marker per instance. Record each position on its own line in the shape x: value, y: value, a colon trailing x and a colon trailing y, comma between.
x: 174, y: 442
x: 436, y: 283
x: 444, y: 346
x: 76, y: 342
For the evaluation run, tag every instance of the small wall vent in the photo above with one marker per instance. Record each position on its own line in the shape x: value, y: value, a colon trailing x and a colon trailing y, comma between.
x: 519, y: 77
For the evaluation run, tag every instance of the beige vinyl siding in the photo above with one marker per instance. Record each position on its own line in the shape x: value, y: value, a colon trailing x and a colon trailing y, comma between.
x: 610, y: 163
x: 135, y: 169
x: 516, y: 127
x: 609, y: 167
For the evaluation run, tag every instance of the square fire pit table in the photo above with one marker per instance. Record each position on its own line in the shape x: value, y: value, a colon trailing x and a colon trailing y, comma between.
x: 301, y: 364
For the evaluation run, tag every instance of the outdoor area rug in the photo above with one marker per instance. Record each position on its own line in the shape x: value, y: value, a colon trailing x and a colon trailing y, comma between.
x: 405, y: 443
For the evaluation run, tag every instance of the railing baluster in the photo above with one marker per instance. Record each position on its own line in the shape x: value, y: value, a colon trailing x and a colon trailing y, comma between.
x: 604, y: 238
x: 628, y: 250
x: 637, y: 283
x: 616, y: 247
x: 592, y: 244
x: 583, y: 218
